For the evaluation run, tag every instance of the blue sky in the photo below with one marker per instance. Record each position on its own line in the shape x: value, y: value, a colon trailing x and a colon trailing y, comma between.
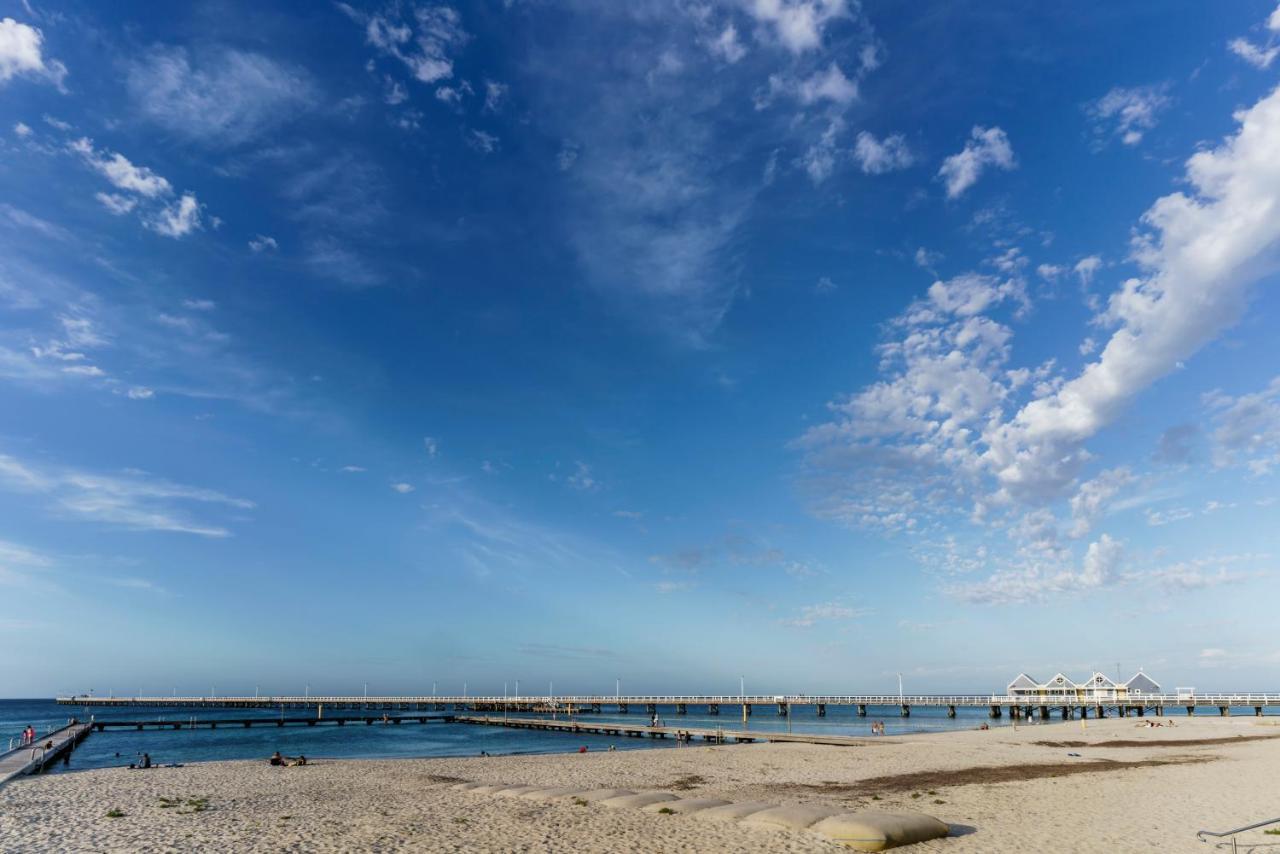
x: 665, y: 341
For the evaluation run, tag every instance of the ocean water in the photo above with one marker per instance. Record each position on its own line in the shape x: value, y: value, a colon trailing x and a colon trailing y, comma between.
x: 120, y: 747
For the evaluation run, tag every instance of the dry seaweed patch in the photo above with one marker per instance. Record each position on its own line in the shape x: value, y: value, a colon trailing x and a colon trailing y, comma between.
x: 686, y: 782
x: 982, y: 774
x: 1163, y: 742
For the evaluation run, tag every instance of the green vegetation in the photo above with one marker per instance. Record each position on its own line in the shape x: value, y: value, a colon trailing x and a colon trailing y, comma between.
x: 579, y: 802
x: 666, y: 811
x: 115, y: 813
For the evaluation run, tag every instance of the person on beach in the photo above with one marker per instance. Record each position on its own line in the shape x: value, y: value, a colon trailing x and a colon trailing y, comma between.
x: 146, y: 760
x: 277, y: 759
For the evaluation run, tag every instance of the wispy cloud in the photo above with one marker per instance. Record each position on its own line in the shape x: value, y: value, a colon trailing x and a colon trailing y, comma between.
x: 132, y: 499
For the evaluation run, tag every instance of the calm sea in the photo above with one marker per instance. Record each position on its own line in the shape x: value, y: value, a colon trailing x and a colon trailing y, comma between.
x: 120, y: 747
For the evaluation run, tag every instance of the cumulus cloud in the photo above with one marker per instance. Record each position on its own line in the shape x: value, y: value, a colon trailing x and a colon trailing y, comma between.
x: 121, y: 172
x: 987, y: 147
x: 582, y: 479
x: 221, y: 97
x: 1129, y: 113
x: 1091, y: 499
x: 797, y: 24
x: 819, y: 161
x: 830, y: 84
x: 727, y: 46
x: 952, y: 425
x: 1260, y: 56
x: 402, y: 488
x: 22, y: 54
x: 1035, y: 582
x: 263, y: 243
x: 1246, y: 429
x: 116, y: 203
x: 879, y: 156
x: 1201, y: 254
x: 422, y: 37
x: 177, y: 219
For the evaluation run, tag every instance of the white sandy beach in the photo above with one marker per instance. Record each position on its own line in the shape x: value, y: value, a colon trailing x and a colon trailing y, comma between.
x: 1000, y: 790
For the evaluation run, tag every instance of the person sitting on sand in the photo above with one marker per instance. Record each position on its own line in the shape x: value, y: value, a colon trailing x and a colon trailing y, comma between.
x: 302, y: 760
x: 276, y: 758
x: 146, y: 760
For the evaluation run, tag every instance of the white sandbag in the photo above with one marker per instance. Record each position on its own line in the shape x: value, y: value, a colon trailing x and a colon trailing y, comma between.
x: 879, y: 831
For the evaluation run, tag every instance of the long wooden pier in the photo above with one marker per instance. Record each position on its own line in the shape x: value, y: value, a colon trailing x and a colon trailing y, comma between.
x: 1017, y: 707
x: 43, y: 752
x: 207, y: 723
x: 717, y: 736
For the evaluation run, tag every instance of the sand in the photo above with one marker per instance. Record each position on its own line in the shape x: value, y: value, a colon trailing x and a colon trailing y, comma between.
x: 1130, y: 789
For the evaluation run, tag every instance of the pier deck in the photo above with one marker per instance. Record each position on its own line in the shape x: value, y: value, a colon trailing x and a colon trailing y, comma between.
x: 639, y: 731
x: 227, y: 723
x: 33, y: 758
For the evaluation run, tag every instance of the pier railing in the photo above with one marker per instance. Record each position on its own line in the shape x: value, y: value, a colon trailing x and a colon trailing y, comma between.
x: 1226, y: 699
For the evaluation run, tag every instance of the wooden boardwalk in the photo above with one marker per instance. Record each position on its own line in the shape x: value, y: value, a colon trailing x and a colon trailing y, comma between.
x: 33, y: 758
x: 715, y: 736
x: 197, y: 723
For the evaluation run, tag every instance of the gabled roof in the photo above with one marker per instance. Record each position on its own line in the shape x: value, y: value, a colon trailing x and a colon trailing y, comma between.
x: 1023, y: 681
x: 1098, y: 680
x: 1060, y: 680
x: 1142, y: 682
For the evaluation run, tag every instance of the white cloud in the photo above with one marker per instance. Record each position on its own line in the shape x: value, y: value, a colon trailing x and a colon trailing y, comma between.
x: 22, y: 53
x: 140, y: 393
x: 727, y: 46
x: 1129, y: 113
x: 218, y: 96
x: 1087, y: 268
x: 485, y: 143
x: 1038, y: 581
x: 1201, y: 256
x: 582, y: 479
x: 879, y: 156
x: 1247, y: 429
x: 952, y: 427
x: 495, y: 95
x: 1160, y: 518
x: 178, y: 219
x: 131, y: 499
x: 353, y: 469
x: 396, y: 94
x: 829, y: 85
x: 424, y: 40
x: 1091, y: 499
x: 431, y: 446
x: 987, y: 147
x: 1257, y: 56
x: 402, y: 488
x: 262, y: 243
x: 117, y: 169
x: 20, y: 129
x: 331, y: 260
x: 116, y: 203
x: 825, y: 285
x: 820, y: 159
x: 825, y: 612
x: 797, y: 24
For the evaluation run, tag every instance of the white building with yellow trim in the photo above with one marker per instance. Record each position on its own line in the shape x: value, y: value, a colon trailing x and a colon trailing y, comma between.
x: 1098, y: 688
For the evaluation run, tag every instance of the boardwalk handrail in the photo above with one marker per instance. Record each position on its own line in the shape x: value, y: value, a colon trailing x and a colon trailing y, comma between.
x: 1232, y: 833
x: 1174, y: 700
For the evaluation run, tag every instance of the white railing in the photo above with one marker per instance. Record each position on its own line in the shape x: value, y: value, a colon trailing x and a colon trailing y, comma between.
x: 1222, y: 699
